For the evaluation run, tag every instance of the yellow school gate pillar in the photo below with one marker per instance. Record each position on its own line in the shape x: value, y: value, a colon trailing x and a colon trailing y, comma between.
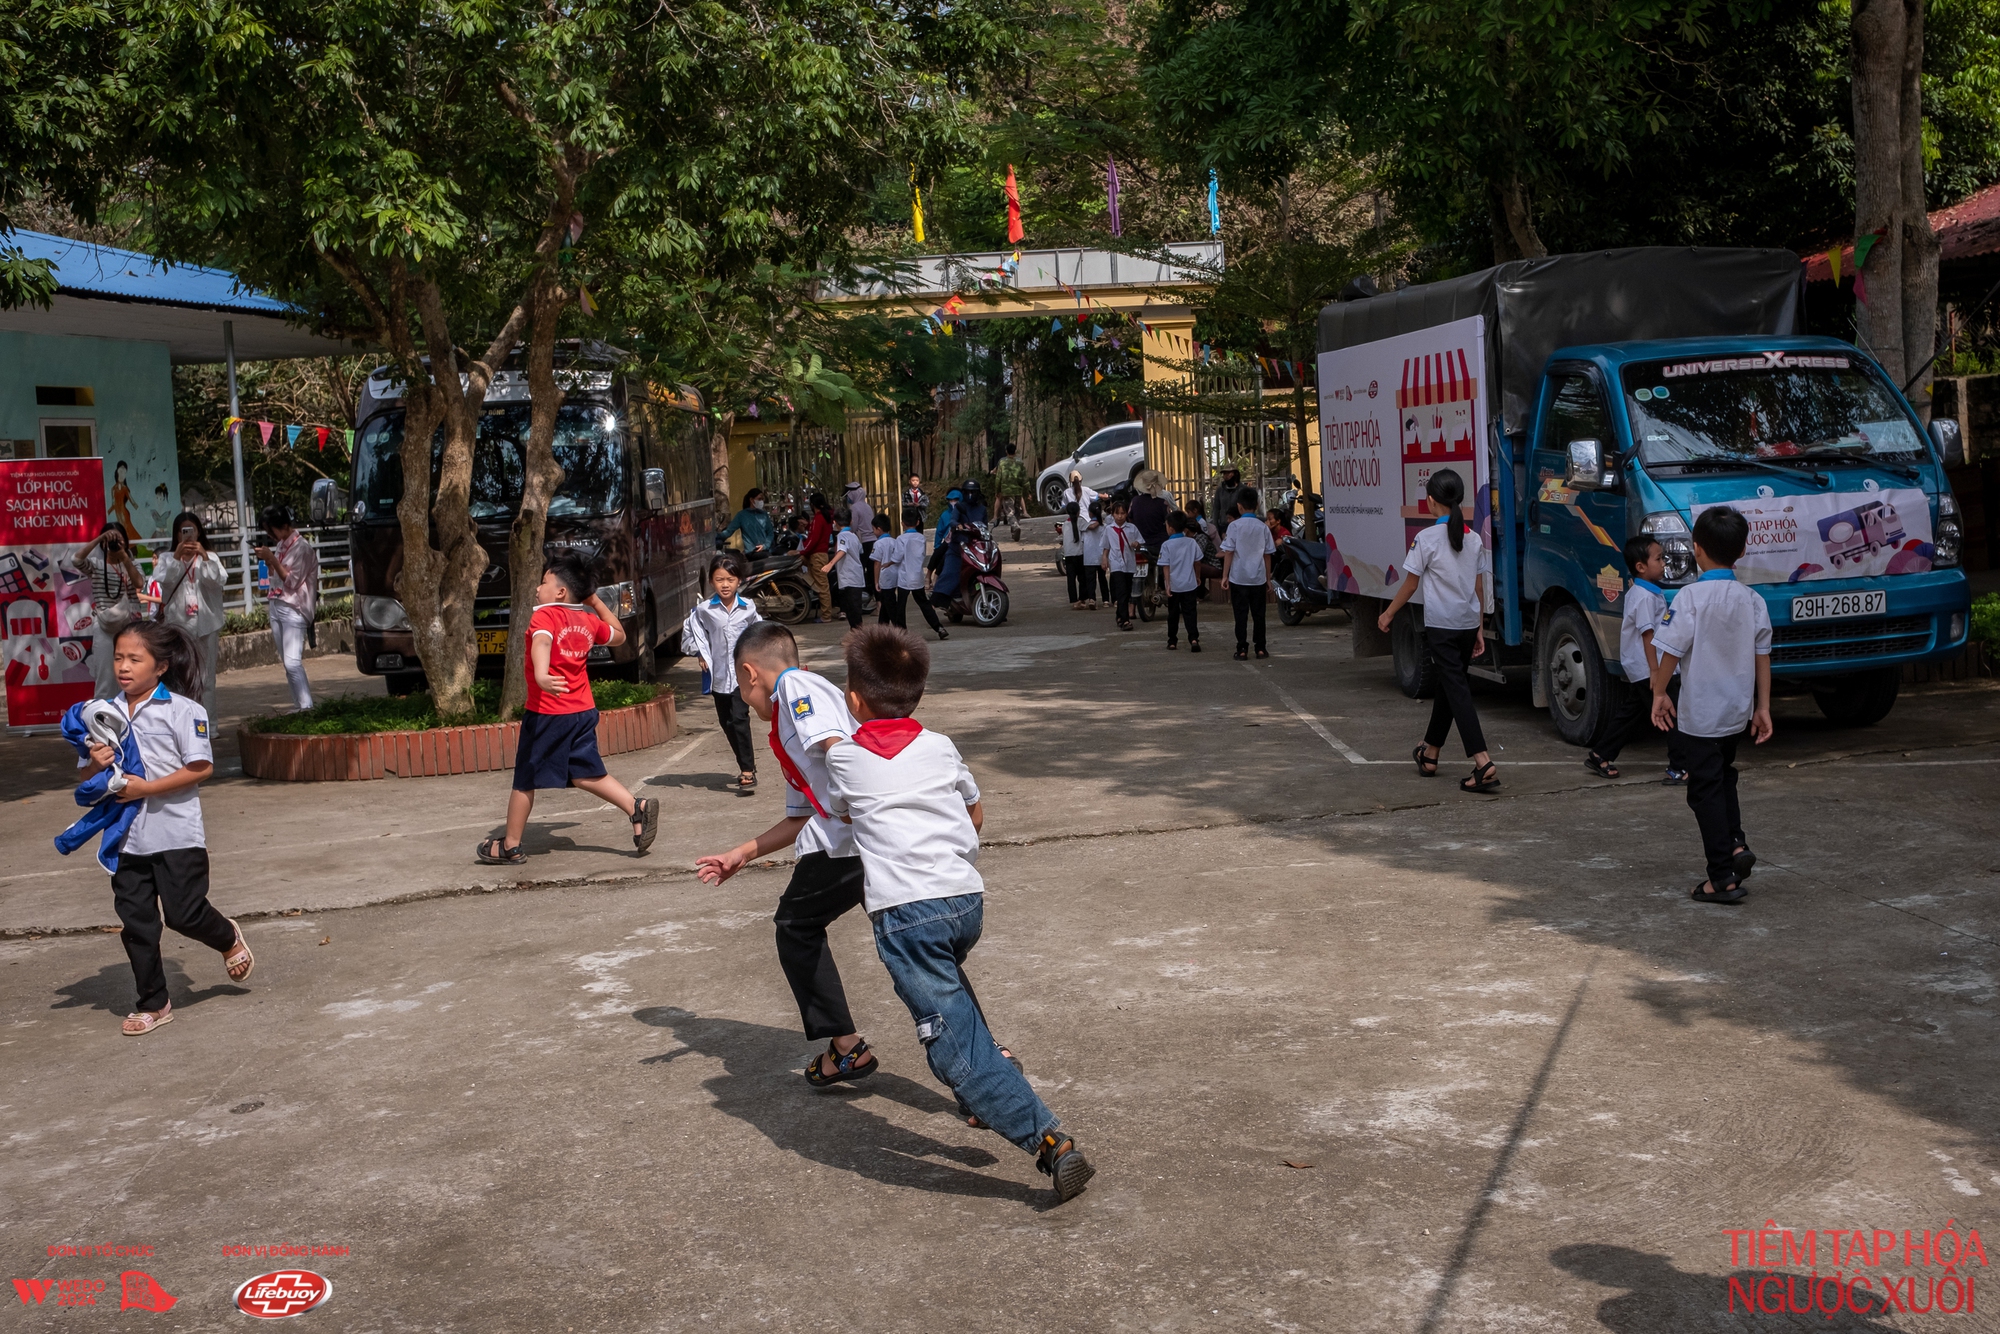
x: 1171, y: 443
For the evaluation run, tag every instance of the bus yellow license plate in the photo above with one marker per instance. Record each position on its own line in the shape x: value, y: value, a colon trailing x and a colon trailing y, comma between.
x: 493, y: 642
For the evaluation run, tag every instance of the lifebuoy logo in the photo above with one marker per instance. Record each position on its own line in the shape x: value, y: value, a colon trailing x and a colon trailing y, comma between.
x: 284, y: 1293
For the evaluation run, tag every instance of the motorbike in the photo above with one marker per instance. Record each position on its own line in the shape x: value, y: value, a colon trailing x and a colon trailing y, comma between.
x: 1301, y: 580
x: 981, y: 594
x: 778, y: 585
x: 1149, y: 595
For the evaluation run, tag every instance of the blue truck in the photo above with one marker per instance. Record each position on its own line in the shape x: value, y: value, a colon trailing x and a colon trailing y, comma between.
x: 1625, y: 391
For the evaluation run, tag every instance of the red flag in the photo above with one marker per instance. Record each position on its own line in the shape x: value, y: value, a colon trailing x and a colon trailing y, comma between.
x: 322, y: 439
x: 1014, y: 232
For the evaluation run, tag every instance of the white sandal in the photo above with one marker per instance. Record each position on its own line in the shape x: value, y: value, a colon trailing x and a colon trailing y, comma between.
x: 238, y: 956
x: 141, y: 1022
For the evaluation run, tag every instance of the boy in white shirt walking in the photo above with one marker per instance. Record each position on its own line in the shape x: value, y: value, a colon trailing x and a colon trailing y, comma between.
x: 1718, y: 633
x: 885, y: 552
x: 916, y: 816
x: 1093, y: 555
x: 1645, y: 604
x: 910, y: 573
x: 1180, y: 558
x: 709, y: 633
x: 1247, y: 549
x: 1121, y: 560
x: 808, y: 713
x: 850, y: 573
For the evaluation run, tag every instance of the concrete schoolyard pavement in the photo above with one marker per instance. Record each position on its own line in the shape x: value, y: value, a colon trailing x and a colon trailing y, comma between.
x: 1351, y: 1050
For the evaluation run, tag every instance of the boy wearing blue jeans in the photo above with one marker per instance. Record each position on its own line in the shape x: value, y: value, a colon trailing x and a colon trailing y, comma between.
x: 916, y: 815
x: 1718, y: 633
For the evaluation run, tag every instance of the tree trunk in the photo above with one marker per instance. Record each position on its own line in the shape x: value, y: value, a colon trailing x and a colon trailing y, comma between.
x: 720, y: 425
x: 1514, y: 211
x: 1898, y: 320
x: 541, y: 476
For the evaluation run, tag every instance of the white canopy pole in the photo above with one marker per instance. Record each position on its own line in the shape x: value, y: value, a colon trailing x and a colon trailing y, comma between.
x: 236, y: 448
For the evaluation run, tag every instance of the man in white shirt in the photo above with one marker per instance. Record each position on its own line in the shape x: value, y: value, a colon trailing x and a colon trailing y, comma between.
x: 916, y: 815
x: 1180, y: 557
x: 808, y: 713
x: 848, y: 572
x: 1247, y: 549
x: 1718, y: 632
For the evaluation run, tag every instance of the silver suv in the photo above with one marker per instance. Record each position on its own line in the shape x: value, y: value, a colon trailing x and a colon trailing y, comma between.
x: 1107, y: 460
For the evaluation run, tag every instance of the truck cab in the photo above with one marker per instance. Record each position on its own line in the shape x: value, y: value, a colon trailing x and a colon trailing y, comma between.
x: 1854, y: 532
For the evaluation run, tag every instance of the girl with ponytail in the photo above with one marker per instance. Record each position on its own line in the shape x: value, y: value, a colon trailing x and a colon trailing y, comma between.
x: 1448, y: 564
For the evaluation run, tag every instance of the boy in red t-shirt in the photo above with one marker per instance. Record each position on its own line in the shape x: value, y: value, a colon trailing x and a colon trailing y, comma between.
x: 558, y: 745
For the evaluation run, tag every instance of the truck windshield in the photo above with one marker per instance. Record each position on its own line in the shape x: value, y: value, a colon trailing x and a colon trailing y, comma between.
x: 589, y: 447
x: 1767, y: 406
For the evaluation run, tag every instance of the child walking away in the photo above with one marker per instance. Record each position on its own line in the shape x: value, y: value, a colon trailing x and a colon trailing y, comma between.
x: 1247, y: 549
x: 1121, y: 560
x: 1180, y: 557
x: 1645, y: 603
x: 916, y: 818
x: 884, y: 552
x: 710, y: 633
x: 1070, y: 531
x: 849, y: 573
x: 911, y: 574
x: 1448, y: 562
x: 1093, y: 556
x: 163, y: 863
x: 1718, y: 634
x: 807, y: 713
x: 558, y: 743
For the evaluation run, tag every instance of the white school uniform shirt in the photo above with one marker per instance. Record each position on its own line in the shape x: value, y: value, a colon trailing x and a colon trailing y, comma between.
x: 911, y: 822
x: 847, y: 559
x: 1072, y: 536
x: 1448, y: 580
x: 172, y: 732
x: 1121, y: 547
x: 1180, y: 554
x: 808, y: 709
x: 1718, y: 629
x: 910, y: 552
x: 710, y: 632
x: 1093, y: 543
x: 1250, y: 539
x: 1645, y: 604
x: 888, y: 558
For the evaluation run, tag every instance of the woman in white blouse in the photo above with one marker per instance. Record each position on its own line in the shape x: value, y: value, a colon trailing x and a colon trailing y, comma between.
x: 192, y: 581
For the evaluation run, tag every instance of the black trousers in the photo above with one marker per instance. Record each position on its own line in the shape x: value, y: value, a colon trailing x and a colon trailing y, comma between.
x: 173, y: 885
x: 1180, y: 607
x: 1073, y: 577
x: 1121, y: 594
x: 1247, y: 601
x: 734, y: 715
x: 1634, y: 717
x: 1711, y: 789
x: 1101, y: 583
x: 849, y: 600
x: 820, y: 890
x: 868, y: 566
x: 923, y: 601
x: 893, y: 607
x: 1452, y: 649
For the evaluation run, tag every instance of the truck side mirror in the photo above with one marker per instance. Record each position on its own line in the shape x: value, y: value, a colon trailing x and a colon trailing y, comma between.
x: 656, y: 488
x: 325, y: 504
x: 1950, y: 444
x: 1586, y: 467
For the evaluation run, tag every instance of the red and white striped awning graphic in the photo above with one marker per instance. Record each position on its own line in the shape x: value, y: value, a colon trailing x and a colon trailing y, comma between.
x: 1438, y: 377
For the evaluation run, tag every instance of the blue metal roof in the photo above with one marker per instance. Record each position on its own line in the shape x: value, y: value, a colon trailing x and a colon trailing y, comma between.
x: 88, y: 270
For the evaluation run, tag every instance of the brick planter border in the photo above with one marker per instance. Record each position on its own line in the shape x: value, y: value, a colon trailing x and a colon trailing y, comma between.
x: 349, y: 756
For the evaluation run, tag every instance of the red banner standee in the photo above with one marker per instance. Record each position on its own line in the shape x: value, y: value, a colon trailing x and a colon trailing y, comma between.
x: 50, y: 509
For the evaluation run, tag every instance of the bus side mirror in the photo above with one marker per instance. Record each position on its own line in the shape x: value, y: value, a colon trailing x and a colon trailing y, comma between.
x: 326, y: 504
x: 656, y: 488
x: 1586, y: 467
x: 1950, y: 444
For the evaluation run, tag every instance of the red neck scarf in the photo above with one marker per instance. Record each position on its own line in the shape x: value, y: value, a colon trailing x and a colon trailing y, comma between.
x: 887, y: 736
x: 793, y: 778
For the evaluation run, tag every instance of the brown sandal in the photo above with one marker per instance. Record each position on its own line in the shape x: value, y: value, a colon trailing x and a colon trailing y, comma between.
x: 237, y: 959
x: 141, y: 1022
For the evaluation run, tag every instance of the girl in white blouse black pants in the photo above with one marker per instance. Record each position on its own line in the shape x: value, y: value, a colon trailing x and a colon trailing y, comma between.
x: 1448, y: 561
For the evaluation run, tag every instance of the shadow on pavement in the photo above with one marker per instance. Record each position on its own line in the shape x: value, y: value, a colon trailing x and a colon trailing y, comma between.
x: 110, y: 989
x: 760, y: 1087
x: 1661, y: 1299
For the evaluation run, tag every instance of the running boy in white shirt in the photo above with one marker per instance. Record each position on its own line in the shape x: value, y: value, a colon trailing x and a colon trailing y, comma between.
x: 1645, y: 604
x: 916, y: 815
x: 1180, y: 557
x: 1718, y: 633
x: 1121, y: 560
x: 807, y: 713
x: 709, y: 633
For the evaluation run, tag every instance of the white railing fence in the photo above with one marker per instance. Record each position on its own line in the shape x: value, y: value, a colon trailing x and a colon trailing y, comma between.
x: 336, y: 573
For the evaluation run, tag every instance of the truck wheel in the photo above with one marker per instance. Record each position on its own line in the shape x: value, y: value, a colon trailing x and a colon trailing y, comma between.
x: 642, y: 667
x: 1416, y: 670
x: 1861, y: 700
x: 1573, y: 673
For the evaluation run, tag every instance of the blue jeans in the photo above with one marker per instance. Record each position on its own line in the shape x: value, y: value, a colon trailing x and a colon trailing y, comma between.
x: 923, y: 945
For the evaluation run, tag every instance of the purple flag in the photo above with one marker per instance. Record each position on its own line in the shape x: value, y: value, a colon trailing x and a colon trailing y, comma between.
x: 1111, y: 190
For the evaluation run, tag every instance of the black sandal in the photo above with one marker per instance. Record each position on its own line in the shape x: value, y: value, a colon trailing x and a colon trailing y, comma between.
x: 1705, y: 893
x: 1743, y: 863
x: 500, y: 854
x: 846, y: 1067
x: 1427, y: 765
x: 1059, y: 1160
x: 1602, y: 768
x: 1481, y: 779
x: 645, y: 814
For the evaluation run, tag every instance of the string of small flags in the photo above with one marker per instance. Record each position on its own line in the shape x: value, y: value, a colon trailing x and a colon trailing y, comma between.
x: 292, y: 433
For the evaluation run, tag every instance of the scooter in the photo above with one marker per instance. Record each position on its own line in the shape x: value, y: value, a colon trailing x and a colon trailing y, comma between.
x: 778, y: 585
x: 981, y: 594
x: 1301, y: 580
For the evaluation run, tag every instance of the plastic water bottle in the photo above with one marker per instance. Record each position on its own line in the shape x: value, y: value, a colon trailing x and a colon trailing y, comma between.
x: 263, y: 580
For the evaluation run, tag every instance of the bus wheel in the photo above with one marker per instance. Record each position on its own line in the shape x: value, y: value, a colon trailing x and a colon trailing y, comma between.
x: 1861, y: 700
x: 1579, y: 688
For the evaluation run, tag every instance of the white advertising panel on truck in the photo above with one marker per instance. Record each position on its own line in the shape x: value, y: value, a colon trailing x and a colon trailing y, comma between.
x: 1392, y: 412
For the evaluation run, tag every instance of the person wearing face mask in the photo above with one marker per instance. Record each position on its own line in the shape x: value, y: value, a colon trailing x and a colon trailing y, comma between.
x: 753, y: 522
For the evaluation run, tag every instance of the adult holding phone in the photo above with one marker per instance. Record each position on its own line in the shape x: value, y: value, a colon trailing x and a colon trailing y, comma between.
x: 294, y: 569
x: 114, y: 597
x: 192, y: 584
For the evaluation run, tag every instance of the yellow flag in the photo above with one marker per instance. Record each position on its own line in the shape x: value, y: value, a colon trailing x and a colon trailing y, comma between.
x: 916, y: 205
x: 1833, y: 263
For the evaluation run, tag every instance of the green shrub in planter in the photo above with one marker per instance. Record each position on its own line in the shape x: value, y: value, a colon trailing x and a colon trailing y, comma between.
x: 417, y: 712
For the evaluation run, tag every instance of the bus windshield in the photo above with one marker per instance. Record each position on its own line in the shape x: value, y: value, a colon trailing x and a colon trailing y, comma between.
x: 589, y: 447
x: 1765, y: 406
